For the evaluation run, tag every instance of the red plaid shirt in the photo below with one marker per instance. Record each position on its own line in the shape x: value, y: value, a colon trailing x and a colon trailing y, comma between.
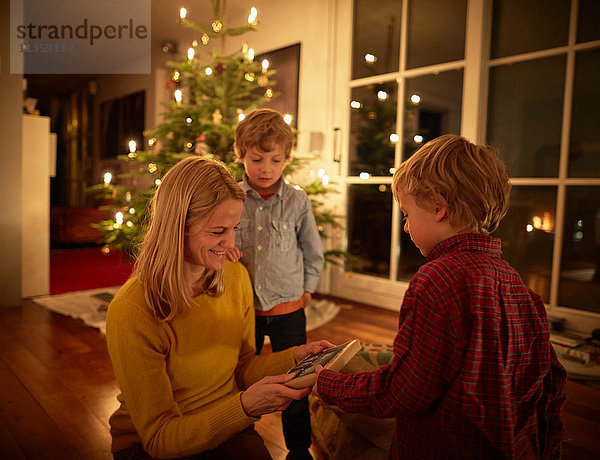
x: 473, y: 373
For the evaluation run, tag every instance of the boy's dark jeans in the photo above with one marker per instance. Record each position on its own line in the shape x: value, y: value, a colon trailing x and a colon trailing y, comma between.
x: 286, y: 331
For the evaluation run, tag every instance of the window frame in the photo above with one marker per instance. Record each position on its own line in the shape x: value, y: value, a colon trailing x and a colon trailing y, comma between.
x: 388, y: 292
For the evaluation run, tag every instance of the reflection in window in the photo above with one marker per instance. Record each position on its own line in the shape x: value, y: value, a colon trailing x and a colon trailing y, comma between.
x: 373, y: 129
x: 587, y: 23
x: 409, y: 257
x: 432, y: 107
x: 369, y: 228
x: 525, y: 115
x: 585, y: 134
x: 436, y: 38
x: 523, y: 26
x: 579, y: 285
x: 376, y: 47
x: 527, y: 233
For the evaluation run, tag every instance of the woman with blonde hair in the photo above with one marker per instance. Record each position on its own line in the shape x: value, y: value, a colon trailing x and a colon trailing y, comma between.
x: 180, y: 331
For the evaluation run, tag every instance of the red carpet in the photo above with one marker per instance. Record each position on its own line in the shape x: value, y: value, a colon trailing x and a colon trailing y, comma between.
x: 82, y: 269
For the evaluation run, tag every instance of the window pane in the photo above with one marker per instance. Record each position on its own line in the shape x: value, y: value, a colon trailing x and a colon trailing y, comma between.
x: 436, y: 32
x: 522, y: 26
x: 525, y: 115
x: 432, y: 108
x: 584, y: 157
x: 369, y: 228
x: 376, y: 47
x: 589, y: 18
x: 580, y: 267
x: 527, y: 234
x: 372, y: 121
x: 409, y: 257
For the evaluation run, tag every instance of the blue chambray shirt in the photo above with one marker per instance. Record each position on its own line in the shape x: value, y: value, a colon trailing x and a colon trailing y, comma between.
x: 280, y: 244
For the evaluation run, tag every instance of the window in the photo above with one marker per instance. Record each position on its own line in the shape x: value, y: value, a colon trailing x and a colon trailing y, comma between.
x: 522, y: 76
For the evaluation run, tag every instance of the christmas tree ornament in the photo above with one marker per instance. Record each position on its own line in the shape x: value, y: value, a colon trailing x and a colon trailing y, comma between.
x: 219, y: 68
x: 217, y: 117
x: 263, y: 80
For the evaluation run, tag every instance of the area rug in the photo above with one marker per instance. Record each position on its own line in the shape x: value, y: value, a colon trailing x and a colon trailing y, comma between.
x: 90, y: 307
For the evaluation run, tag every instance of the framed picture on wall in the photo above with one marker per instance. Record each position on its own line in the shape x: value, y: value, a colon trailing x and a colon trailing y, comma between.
x: 286, y: 61
x: 121, y: 120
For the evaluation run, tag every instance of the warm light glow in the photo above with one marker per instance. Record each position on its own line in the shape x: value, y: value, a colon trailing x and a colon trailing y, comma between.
x: 269, y: 93
x: 537, y: 221
x: 418, y: 138
x: 355, y: 105
x: 382, y: 188
x: 182, y: 13
x: 176, y: 76
x: 325, y: 179
x: 119, y: 218
x: 132, y: 146
x: 152, y: 168
x: 529, y: 228
x: 547, y: 224
x: 297, y: 187
x: 415, y: 99
x: 157, y: 182
x: 191, y: 53
x: 128, y: 196
x: 132, y: 211
x: 151, y: 141
x: 189, y: 145
x: 241, y: 116
x: 205, y: 38
x: 370, y: 58
x: 217, y: 25
x: 252, y: 16
x: 129, y: 223
x: 392, y: 170
x: 364, y: 175
x: 107, y: 177
x: 394, y: 138
x: 265, y: 64
x: 188, y: 120
x: 208, y: 71
x: 251, y: 54
x: 287, y: 118
x: 194, y: 43
x: 382, y: 95
x: 321, y: 173
x: 178, y: 95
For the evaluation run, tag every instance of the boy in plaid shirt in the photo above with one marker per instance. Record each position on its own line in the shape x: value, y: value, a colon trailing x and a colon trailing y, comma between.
x: 473, y: 374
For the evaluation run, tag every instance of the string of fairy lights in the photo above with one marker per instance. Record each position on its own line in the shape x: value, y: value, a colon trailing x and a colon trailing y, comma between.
x: 262, y: 80
x: 123, y: 217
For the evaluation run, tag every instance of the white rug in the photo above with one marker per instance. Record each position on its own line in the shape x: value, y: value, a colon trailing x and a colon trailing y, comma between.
x: 90, y: 307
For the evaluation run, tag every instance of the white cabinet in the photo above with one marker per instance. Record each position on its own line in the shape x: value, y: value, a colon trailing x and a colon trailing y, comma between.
x: 39, y: 159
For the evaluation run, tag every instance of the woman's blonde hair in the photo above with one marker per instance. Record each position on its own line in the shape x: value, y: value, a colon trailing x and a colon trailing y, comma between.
x: 264, y: 129
x: 189, y: 193
x: 470, y: 178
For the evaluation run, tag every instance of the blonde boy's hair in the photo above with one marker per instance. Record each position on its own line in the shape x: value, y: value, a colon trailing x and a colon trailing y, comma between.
x: 189, y: 193
x: 264, y: 129
x: 469, y: 177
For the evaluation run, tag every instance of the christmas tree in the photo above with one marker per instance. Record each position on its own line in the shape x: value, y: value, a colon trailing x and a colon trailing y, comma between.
x: 211, y: 92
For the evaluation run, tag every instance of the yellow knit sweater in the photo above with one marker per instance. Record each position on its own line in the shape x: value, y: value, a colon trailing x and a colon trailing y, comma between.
x: 180, y: 381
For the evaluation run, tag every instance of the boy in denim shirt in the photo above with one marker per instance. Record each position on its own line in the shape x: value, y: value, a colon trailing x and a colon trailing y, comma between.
x: 278, y: 242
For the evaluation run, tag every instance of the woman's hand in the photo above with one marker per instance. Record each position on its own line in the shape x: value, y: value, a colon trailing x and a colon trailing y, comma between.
x: 270, y: 395
x: 310, y: 349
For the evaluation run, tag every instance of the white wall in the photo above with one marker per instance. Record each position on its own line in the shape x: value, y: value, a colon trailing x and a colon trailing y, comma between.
x: 11, y: 95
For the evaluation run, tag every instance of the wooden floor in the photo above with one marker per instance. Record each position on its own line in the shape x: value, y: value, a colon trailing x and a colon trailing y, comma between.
x: 57, y: 388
